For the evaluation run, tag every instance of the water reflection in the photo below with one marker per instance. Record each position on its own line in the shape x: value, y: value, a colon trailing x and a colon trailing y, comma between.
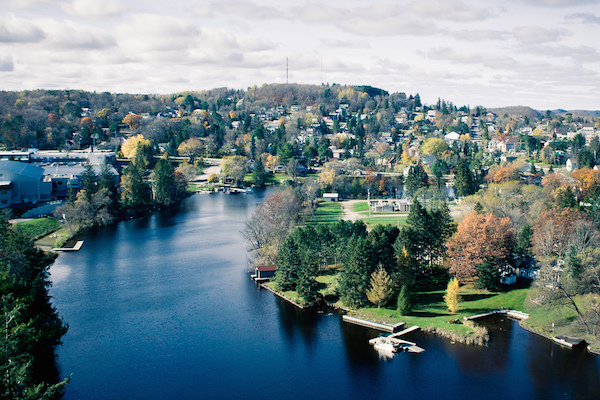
x: 297, y: 323
x: 163, y: 307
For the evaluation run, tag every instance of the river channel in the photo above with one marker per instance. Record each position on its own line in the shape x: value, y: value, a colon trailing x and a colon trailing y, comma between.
x: 162, y: 307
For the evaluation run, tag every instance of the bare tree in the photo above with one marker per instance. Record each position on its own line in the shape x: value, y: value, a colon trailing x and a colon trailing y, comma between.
x: 272, y: 221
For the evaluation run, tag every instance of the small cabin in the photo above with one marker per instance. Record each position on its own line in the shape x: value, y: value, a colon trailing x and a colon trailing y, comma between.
x: 331, y: 197
x: 264, y: 272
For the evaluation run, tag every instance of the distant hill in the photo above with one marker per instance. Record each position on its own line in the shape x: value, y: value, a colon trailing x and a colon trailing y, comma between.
x: 589, y: 114
x: 516, y: 111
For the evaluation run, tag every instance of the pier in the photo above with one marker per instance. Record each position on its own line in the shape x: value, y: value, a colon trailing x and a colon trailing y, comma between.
x: 374, y: 325
x: 74, y: 248
x: 509, y: 313
x: 399, y: 344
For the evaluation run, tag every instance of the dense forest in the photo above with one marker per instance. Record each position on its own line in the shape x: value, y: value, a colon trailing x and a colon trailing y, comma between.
x: 31, y: 325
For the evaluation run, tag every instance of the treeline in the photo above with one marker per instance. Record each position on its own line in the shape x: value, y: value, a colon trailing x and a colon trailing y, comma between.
x: 31, y: 327
x: 410, y: 256
x: 145, y: 184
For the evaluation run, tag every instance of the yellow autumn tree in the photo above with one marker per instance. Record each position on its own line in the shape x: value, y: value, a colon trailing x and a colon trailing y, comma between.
x: 381, y: 287
x: 130, y: 146
x: 452, y: 296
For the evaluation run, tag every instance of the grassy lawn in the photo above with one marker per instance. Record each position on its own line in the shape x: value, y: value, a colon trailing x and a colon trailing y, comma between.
x: 362, y: 206
x: 326, y: 213
x: 37, y: 228
x: 429, y: 311
x: 56, y: 239
x: 563, y: 316
x: 399, y: 220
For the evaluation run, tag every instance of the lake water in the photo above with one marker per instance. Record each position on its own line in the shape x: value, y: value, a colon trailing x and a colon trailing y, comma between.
x: 162, y: 307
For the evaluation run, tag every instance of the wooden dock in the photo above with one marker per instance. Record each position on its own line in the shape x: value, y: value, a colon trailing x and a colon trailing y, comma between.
x: 509, y: 313
x: 403, y: 345
x: 374, y: 325
x: 404, y: 332
x: 77, y: 247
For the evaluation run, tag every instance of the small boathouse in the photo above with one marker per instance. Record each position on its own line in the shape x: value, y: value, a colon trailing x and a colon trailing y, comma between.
x: 263, y: 273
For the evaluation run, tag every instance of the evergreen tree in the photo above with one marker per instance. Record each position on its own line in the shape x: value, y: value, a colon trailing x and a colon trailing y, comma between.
x: 354, y: 280
x: 136, y: 192
x: 259, y: 175
x: 488, y: 275
x: 108, y: 181
x: 404, y: 305
x: 31, y: 326
x: 566, y: 198
x: 464, y: 181
x: 417, y: 178
x: 89, y: 181
x: 163, y: 183
x: 478, y: 208
x: 307, y: 288
x: 288, y: 265
x: 524, y: 241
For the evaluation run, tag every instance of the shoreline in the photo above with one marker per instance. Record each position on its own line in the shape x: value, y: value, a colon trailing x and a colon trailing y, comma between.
x: 480, y: 340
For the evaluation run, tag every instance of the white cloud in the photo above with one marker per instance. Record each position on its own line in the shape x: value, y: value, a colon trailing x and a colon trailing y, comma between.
x: 25, y: 4
x: 93, y: 8
x: 344, y: 44
x: 561, y: 3
x: 71, y: 36
x: 238, y: 8
x: 449, y: 10
x: 6, y: 63
x: 537, y: 34
x: 375, y: 20
x: 480, y: 34
x: 588, y: 18
x: 152, y: 37
x: 19, y: 30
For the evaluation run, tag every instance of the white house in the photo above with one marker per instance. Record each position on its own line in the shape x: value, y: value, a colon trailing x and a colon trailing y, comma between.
x: 331, y: 197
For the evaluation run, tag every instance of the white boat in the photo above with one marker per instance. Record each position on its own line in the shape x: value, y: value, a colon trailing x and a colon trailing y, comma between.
x: 387, y: 345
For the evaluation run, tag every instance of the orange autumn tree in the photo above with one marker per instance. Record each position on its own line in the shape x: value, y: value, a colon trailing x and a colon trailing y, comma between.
x: 554, y: 181
x: 586, y: 180
x: 479, y: 237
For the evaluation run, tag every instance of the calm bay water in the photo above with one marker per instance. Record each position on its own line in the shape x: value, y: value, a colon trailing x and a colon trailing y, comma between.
x: 163, y: 308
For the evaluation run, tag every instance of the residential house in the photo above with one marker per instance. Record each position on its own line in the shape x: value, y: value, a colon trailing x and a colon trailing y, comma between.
x: 571, y: 165
x: 451, y: 137
x: 510, y: 144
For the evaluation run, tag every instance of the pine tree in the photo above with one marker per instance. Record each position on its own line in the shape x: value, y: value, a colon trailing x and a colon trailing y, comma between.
x: 404, y: 305
x: 288, y: 265
x: 488, y: 275
x: 89, y: 181
x: 163, y: 183
x: 464, y: 182
x: 259, y: 174
x: 381, y: 287
x: 354, y: 280
x: 452, y: 296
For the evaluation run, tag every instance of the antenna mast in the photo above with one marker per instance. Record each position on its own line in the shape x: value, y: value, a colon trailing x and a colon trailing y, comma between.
x: 287, y: 70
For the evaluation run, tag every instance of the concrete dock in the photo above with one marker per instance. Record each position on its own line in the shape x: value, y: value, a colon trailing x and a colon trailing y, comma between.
x: 77, y: 247
x: 375, y: 325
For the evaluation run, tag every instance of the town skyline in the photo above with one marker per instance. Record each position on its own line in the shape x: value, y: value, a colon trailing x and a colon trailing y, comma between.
x: 536, y: 53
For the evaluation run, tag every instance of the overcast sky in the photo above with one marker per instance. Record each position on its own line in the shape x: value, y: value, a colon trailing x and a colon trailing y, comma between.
x: 540, y: 53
